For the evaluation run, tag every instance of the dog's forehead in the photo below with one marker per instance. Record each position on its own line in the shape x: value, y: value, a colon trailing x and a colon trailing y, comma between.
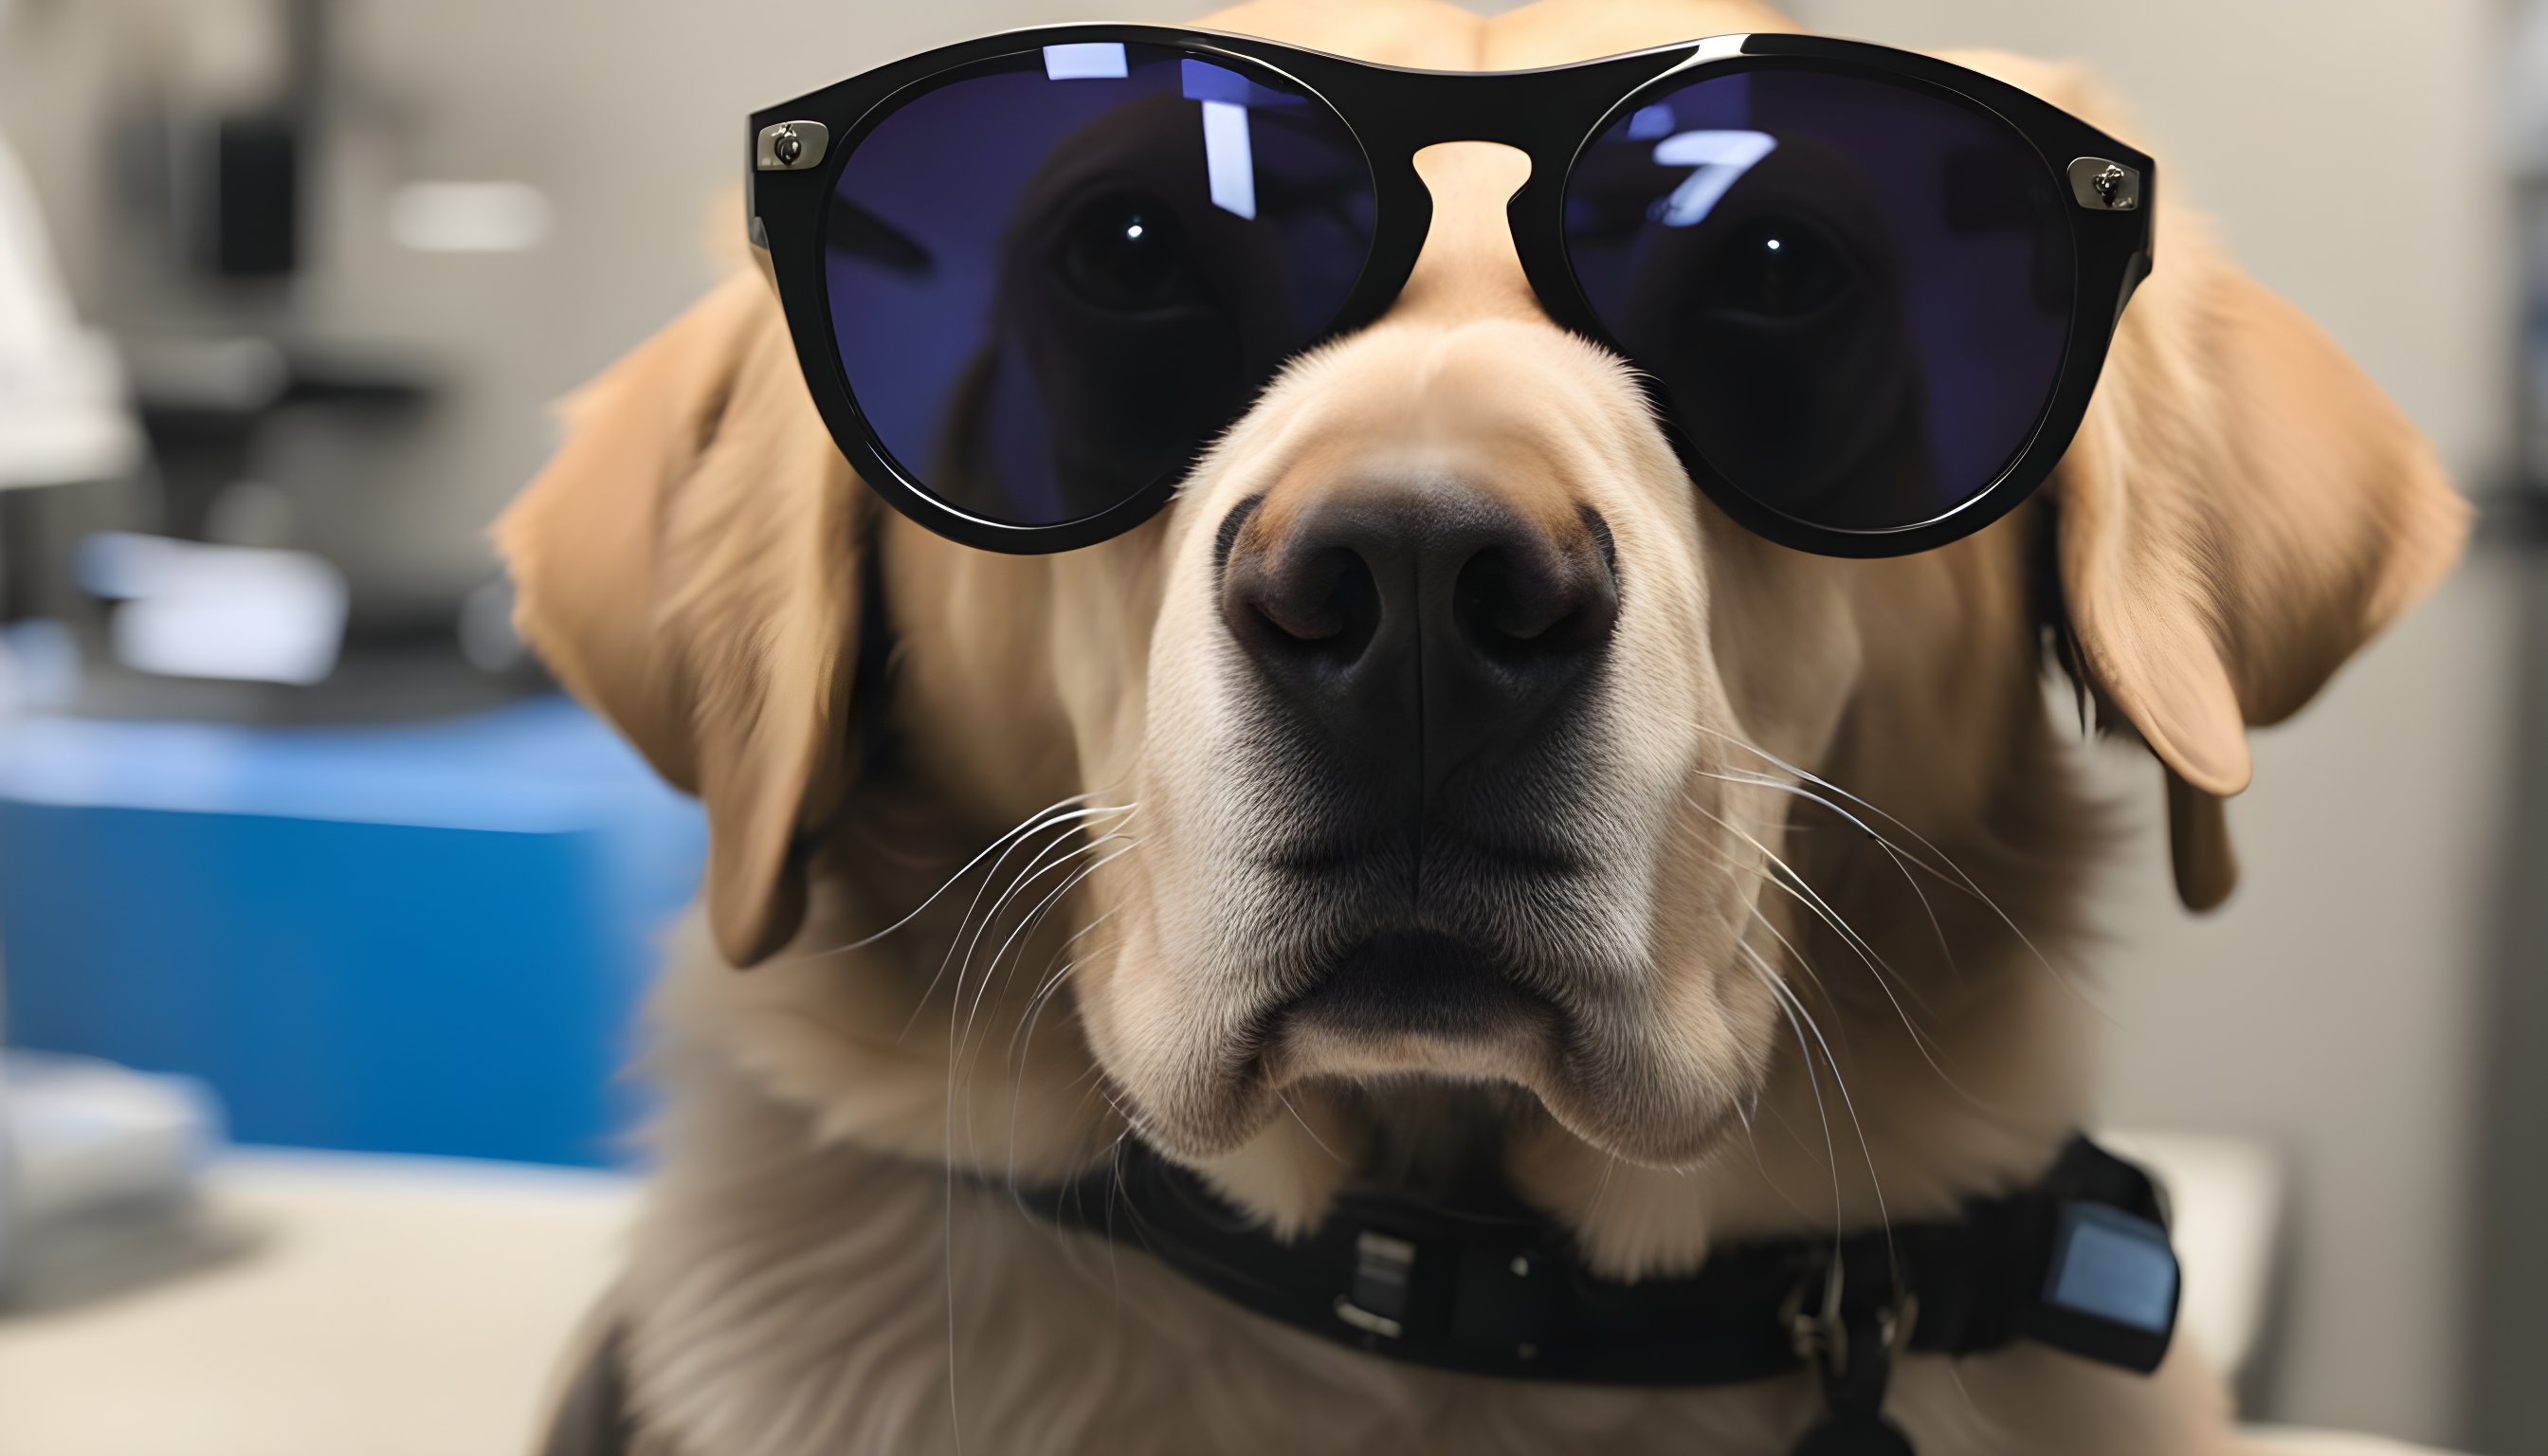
x: 1435, y: 34
x: 1432, y: 35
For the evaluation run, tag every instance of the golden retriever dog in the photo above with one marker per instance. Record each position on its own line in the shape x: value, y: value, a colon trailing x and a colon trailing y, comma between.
x: 1797, y: 873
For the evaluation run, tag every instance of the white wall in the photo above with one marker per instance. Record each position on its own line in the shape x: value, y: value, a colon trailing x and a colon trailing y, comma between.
x: 2349, y: 152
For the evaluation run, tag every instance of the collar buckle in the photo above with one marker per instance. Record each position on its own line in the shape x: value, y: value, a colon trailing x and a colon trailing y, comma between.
x: 1820, y: 1339
x: 1854, y: 1423
x: 1383, y: 1274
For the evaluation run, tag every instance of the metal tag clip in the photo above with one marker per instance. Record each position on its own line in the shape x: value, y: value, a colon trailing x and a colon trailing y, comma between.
x: 1853, y: 1391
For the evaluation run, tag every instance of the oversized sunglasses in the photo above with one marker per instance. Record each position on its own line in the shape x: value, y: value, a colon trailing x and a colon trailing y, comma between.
x: 1031, y: 277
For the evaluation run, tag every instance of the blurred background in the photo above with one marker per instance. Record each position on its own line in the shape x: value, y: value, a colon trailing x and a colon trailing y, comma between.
x: 291, y: 826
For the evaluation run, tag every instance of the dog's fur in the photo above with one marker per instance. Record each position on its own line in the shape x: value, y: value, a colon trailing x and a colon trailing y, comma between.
x: 829, y: 1264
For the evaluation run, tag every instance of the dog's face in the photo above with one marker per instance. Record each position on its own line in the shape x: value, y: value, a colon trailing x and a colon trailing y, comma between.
x: 1443, y: 768
x: 1440, y: 731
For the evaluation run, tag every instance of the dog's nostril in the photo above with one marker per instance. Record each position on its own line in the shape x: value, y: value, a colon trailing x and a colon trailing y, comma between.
x: 1441, y: 623
x: 1320, y: 596
x: 1552, y: 603
x: 1307, y: 606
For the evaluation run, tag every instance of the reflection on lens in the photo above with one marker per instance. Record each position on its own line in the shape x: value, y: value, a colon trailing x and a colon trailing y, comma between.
x: 1126, y: 252
x: 1776, y: 268
x: 1055, y: 275
x: 1855, y: 296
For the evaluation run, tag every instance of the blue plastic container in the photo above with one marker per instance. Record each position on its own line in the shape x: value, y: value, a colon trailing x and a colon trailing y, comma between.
x: 419, y: 939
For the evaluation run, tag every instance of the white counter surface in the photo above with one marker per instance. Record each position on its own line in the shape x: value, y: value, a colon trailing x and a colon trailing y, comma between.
x: 315, y: 1305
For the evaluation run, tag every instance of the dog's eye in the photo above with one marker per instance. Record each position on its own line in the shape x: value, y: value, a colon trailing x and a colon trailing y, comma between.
x: 1128, y: 252
x: 1776, y: 268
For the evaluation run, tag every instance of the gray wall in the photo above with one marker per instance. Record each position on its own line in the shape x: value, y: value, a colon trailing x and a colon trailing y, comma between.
x: 2351, y: 153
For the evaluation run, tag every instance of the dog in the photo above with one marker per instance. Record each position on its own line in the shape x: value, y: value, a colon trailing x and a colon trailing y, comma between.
x: 1021, y: 872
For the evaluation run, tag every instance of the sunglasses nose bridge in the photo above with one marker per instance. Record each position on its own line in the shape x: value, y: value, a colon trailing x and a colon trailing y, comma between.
x: 1469, y: 266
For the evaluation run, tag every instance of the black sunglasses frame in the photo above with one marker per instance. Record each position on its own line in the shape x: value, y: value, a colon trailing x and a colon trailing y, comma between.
x: 1553, y: 114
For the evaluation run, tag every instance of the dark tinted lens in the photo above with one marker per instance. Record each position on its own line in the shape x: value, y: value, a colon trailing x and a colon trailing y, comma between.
x: 1856, y: 295
x: 1055, y: 275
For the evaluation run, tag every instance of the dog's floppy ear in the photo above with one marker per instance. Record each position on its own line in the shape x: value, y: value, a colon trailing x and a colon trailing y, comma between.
x: 2242, y: 509
x: 688, y: 566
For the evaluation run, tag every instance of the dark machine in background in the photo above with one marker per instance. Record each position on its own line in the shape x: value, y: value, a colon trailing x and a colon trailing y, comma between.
x: 284, y: 807
x: 235, y: 147
x: 2508, y: 1265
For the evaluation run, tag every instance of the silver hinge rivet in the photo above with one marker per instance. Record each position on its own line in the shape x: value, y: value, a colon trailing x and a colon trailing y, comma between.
x: 2105, y: 186
x: 791, y: 147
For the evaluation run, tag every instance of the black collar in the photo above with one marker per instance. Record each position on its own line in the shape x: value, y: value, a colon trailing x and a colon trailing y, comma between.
x: 2079, y: 1261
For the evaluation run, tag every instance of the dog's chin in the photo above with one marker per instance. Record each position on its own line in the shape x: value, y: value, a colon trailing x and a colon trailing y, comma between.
x: 1405, y: 1002
x: 1416, y: 1005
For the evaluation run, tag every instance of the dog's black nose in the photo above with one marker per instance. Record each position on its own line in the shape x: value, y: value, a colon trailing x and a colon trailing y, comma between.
x: 1423, y: 631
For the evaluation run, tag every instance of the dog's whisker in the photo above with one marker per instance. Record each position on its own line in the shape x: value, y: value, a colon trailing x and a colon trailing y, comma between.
x: 977, y: 923
x: 1023, y: 1041
x: 1091, y: 1084
x: 1789, y: 1007
x: 1760, y: 1163
x: 1053, y: 979
x: 1601, y: 1188
x: 959, y: 1030
x: 970, y: 930
x: 1028, y: 922
x: 1807, y: 776
x: 1789, y: 879
x: 1875, y: 964
x: 1963, y: 879
x: 1321, y: 1143
x: 1032, y: 920
x: 1902, y: 862
x: 1022, y: 1038
x: 1918, y: 1041
x: 959, y: 1021
x: 1052, y: 984
x: 1025, y: 929
x: 1030, y: 825
x: 1799, y: 790
x: 1020, y: 1048
x: 1919, y: 1038
x: 1013, y: 948
x: 980, y: 920
x: 1839, y: 1083
x: 1761, y: 965
x: 947, y: 1244
x: 1793, y: 881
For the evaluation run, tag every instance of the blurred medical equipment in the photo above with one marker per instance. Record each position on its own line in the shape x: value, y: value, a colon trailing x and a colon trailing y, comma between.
x: 91, y: 1135
x: 189, y: 610
x: 62, y: 412
x: 80, y: 1137
x: 2529, y: 155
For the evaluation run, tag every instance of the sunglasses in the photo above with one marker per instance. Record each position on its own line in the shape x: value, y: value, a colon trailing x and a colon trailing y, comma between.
x: 1031, y: 277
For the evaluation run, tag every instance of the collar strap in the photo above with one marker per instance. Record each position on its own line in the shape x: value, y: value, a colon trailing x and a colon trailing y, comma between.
x: 2079, y: 1261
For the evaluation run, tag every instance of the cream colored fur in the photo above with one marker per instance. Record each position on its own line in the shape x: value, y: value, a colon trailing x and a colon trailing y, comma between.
x: 828, y: 1264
